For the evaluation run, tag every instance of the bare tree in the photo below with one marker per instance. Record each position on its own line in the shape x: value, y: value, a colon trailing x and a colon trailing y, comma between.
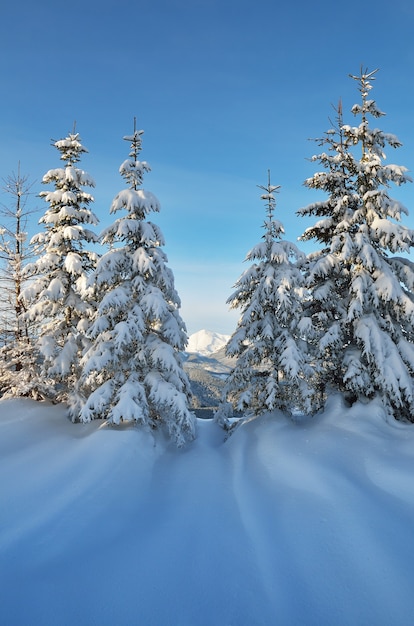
x: 18, y: 360
x: 15, y: 251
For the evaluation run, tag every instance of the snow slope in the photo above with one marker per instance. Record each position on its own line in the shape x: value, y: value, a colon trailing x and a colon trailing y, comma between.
x: 206, y: 342
x: 290, y: 524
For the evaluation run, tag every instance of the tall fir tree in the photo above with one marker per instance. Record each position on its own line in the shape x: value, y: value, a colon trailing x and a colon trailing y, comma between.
x: 360, y: 320
x: 133, y: 369
x: 56, y: 295
x: 271, y: 366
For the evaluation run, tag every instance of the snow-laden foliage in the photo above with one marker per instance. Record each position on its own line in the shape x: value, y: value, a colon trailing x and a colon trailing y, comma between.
x: 271, y: 365
x: 20, y: 374
x: 133, y: 371
x: 56, y: 293
x: 361, y: 305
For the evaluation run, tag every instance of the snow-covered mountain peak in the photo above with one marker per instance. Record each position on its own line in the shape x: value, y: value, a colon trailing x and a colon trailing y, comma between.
x: 206, y: 342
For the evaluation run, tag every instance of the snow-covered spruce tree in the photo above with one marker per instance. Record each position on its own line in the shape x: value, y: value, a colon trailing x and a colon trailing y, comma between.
x: 133, y: 369
x: 271, y: 366
x: 361, y: 313
x: 19, y: 361
x: 56, y: 295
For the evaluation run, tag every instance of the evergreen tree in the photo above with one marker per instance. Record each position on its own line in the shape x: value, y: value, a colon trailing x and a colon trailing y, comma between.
x: 361, y: 314
x: 19, y: 359
x: 133, y: 369
x: 56, y: 295
x: 271, y: 359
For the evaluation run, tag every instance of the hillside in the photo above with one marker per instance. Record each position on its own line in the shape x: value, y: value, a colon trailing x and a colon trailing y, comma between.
x: 207, y: 367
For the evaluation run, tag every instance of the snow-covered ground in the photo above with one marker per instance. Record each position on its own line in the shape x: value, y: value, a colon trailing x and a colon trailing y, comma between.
x: 290, y: 524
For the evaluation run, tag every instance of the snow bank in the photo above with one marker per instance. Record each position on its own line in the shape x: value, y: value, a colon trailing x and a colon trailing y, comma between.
x: 285, y: 523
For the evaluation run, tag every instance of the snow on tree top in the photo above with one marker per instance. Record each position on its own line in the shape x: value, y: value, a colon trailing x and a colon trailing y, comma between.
x: 135, y: 201
x: 70, y: 142
x: 133, y: 171
x: 130, y: 165
x: 135, y: 137
x: 70, y: 147
x: 68, y: 174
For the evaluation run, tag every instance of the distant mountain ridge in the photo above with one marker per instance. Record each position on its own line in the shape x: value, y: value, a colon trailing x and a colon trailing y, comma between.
x: 206, y: 342
x: 207, y: 367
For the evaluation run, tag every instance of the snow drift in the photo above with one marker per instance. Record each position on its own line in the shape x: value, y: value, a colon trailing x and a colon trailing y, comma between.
x: 284, y: 523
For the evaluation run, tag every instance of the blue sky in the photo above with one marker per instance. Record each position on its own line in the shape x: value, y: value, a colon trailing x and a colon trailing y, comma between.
x: 224, y: 90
